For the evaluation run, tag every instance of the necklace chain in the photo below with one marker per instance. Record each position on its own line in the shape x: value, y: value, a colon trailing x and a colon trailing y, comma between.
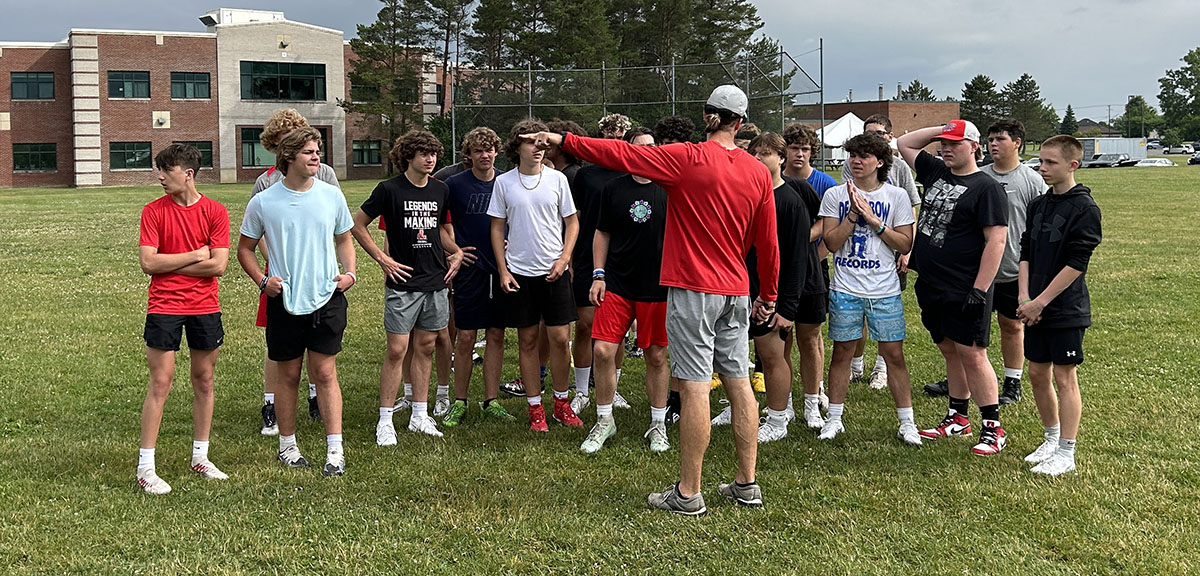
x: 521, y: 179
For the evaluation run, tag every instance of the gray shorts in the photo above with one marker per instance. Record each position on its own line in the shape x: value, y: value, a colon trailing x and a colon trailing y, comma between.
x: 708, y: 334
x: 403, y: 311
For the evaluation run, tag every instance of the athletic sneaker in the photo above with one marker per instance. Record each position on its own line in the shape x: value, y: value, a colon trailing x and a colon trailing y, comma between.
x: 1044, y: 452
x: 789, y: 413
x: 514, y: 387
x: 580, y: 402
x: 270, y: 424
x: 831, y: 429
x: 954, y: 424
x: 564, y: 415
x: 455, y: 414
x: 672, y: 416
x: 291, y: 457
x: 758, y: 381
x: 991, y: 441
x: 908, y: 434
x: 619, y: 401
x: 476, y: 359
x: 604, y: 429
x: 725, y: 418
x: 537, y: 418
x: 813, y: 419
x: 632, y: 350
x: 770, y: 431
x: 672, y: 501
x: 424, y: 425
x: 1057, y: 465
x: 314, y: 410
x: 151, y: 483
x: 441, y: 405
x: 716, y: 381
x: 335, y: 464
x: 878, y: 379
x: 658, y: 437
x: 749, y: 495
x: 496, y: 411
x: 385, y: 433
x: 402, y: 403
x: 1010, y: 391
x: 857, y: 375
x: 938, y: 389
x: 208, y: 470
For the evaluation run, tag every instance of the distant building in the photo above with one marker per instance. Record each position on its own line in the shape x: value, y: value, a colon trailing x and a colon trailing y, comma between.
x: 1087, y: 126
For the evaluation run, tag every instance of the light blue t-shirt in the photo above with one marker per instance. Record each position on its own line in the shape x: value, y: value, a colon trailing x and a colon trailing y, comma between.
x: 299, y: 228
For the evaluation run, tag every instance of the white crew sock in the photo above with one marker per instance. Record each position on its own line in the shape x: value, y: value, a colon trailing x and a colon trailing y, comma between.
x: 618, y: 374
x: 1067, y: 446
x: 777, y: 417
x: 385, y: 414
x: 268, y: 397
x: 312, y: 391
x: 856, y: 364
x: 657, y: 415
x: 582, y: 375
x: 1052, y: 433
x: 605, y: 411
x: 1012, y: 373
x: 286, y: 442
x: 880, y: 364
x: 560, y: 395
x: 443, y: 391
x: 145, y: 458
x: 199, y: 451
x: 534, y: 400
x: 333, y: 444
x: 905, y: 415
x: 420, y: 409
x: 835, y: 411
x: 812, y: 402
x: 408, y: 391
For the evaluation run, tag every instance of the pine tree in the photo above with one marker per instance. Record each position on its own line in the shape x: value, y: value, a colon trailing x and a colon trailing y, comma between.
x: 980, y: 101
x: 1023, y: 101
x: 1069, y: 125
x: 918, y: 92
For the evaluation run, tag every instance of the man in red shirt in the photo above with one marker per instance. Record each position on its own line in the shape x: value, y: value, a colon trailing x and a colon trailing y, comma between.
x: 184, y: 247
x: 717, y: 197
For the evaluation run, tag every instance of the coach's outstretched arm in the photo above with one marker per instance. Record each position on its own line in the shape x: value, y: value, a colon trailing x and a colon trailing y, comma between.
x: 661, y: 164
x: 912, y: 143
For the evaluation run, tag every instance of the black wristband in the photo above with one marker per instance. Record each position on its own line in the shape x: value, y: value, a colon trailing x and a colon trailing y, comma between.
x: 262, y: 284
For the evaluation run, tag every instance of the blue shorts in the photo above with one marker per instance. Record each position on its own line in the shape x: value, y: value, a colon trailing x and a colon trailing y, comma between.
x: 884, y: 317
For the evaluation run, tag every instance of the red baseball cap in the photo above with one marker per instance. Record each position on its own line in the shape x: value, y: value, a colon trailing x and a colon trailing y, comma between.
x: 959, y: 130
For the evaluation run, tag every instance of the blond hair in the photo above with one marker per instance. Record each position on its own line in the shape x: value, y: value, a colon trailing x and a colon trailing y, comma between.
x: 278, y: 125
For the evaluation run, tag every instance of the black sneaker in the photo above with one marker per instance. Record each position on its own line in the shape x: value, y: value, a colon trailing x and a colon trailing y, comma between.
x: 939, y: 388
x: 1011, y: 391
x: 314, y: 410
x: 270, y: 425
x: 515, y: 387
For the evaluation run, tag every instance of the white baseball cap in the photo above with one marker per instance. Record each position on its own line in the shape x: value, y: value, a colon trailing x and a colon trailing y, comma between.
x: 729, y: 98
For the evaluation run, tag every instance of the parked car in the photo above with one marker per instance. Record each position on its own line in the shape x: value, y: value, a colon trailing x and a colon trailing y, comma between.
x: 1158, y: 162
x: 1181, y: 149
x: 1153, y: 145
x: 1034, y: 162
x: 1109, y: 160
x: 1195, y: 159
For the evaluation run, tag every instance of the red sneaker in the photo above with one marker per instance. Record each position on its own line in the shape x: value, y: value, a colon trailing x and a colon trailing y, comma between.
x: 537, y: 419
x: 991, y: 440
x: 563, y: 414
x: 954, y: 424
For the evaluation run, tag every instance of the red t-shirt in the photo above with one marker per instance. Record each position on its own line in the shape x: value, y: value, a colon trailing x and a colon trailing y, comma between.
x: 719, y: 203
x: 175, y: 229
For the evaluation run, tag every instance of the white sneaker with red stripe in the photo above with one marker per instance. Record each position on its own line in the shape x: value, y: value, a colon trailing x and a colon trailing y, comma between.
x: 208, y: 470
x: 991, y: 440
x: 151, y: 483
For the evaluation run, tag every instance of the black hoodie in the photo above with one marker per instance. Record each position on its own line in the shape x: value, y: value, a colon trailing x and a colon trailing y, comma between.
x: 1061, y: 230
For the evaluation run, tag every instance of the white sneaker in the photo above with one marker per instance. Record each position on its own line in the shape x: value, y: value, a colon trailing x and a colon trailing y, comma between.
x: 402, y: 403
x: 208, y: 470
x: 770, y: 431
x: 604, y: 429
x: 658, y: 437
x: 385, y: 433
x: 790, y: 411
x: 725, y: 418
x: 1044, y: 452
x: 619, y: 401
x: 151, y: 483
x: 856, y: 375
x: 441, y: 406
x: 335, y: 463
x: 831, y: 429
x: 1057, y: 465
x: 813, y: 419
x: 580, y: 402
x: 908, y: 434
x: 878, y: 379
x: 424, y: 425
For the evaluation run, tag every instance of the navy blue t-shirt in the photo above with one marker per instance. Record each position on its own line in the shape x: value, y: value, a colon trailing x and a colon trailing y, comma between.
x: 468, y: 203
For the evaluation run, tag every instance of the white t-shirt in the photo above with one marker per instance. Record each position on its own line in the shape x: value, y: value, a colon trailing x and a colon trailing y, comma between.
x: 534, y: 207
x: 864, y: 266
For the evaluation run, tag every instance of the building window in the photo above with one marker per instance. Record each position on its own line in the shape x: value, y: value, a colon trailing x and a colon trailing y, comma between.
x: 254, y: 155
x: 32, y: 85
x: 283, y: 81
x: 205, y: 149
x: 129, y: 156
x: 366, y: 152
x: 189, y: 85
x: 35, y: 157
x: 128, y: 84
x: 326, y: 146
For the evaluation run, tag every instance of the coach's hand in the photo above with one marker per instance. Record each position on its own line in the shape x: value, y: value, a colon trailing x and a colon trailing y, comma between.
x: 393, y: 270
x: 508, y: 283
x: 274, y: 286
x: 596, y: 294
x: 560, y: 266
x: 469, y: 256
x: 344, y: 282
x: 453, y: 262
x: 763, y: 310
x: 544, y: 140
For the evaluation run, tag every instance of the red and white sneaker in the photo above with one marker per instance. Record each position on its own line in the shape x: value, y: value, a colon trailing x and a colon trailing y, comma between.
x: 537, y: 418
x: 151, y: 483
x: 991, y: 439
x: 954, y: 424
x: 208, y: 470
x: 563, y: 414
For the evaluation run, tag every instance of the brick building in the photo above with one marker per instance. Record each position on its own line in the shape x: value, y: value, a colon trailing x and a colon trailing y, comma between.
x: 93, y: 109
x: 906, y: 115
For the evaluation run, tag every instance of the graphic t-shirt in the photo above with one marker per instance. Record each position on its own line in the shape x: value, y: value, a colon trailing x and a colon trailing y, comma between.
x: 299, y: 228
x: 898, y: 175
x: 635, y: 217
x: 865, y: 266
x: 175, y: 229
x: 534, y: 207
x: 1021, y: 185
x: 586, y: 189
x: 948, y: 243
x: 414, y: 236
x: 468, y: 204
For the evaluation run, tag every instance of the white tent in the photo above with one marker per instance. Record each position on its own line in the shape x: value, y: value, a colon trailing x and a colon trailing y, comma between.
x: 836, y: 133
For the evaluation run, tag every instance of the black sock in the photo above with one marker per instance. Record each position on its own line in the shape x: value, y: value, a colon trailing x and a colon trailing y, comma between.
x: 673, y: 399
x: 757, y: 363
x: 463, y: 400
x: 488, y: 402
x: 990, y: 412
x: 741, y: 485
x: 959, y: 405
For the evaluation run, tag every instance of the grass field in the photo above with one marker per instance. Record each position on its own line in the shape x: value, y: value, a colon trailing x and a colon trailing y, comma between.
x: 493, y: 498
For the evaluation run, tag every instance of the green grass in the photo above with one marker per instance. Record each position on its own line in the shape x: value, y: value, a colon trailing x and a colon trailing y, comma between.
x: 491, y: 498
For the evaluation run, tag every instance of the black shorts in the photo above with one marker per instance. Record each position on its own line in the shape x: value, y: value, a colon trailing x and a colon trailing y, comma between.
x: 759, y: 330
x: 539, y: 300
x: 813, y: 308
x: 288, y: 335
x: 1061, y: 346
x: 1006, y: 299
x: 478, y: 300
x: 165, y: 331
x: 944, y: 318
x: 581, y: 288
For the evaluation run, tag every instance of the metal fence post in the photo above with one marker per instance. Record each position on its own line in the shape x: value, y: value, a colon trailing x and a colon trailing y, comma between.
x: 674, y: 95
x: 603, y: 90
x: 529, y: 85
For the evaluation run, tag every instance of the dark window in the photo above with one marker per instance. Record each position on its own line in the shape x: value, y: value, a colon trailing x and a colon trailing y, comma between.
x: 364, y: 93
x: 283, y: 81
x: 326, y: 146
x: 32, y: 85
x: 128, y: 84
x: 205, y: 149
x: 254, y: 155
x: 35, y: 157
x: 189, y: 85
x: 366, y: 152
x: 129, y: 155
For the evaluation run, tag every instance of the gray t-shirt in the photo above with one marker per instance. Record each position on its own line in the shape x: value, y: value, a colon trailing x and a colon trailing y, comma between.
x: 1021, y: 186
x: 325, y: 174
x: 898, y: 175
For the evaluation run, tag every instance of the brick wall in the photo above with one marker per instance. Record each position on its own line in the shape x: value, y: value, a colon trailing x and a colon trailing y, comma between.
x: 37, y: 121
x: 355, y: 131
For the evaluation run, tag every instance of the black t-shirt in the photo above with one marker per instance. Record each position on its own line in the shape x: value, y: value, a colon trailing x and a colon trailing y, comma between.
x: 814, y: 276
x: 447, y: 171
x: 635, y: 217
x: 792, y: 223
x: 949, y: 239
x: 586, y: 188
x: 414, y: 216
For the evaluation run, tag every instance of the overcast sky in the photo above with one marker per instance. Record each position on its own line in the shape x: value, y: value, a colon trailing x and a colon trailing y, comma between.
x: 1087, y: 53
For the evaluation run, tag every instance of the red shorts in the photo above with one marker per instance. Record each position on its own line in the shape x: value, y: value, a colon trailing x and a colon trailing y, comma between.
x: 615, y: 315
x: 261, y: 320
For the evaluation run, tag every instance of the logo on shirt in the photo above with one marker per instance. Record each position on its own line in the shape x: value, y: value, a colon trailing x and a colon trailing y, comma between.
x: 640, y: 211
x: 421, y: 236
x: 938, y: 210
